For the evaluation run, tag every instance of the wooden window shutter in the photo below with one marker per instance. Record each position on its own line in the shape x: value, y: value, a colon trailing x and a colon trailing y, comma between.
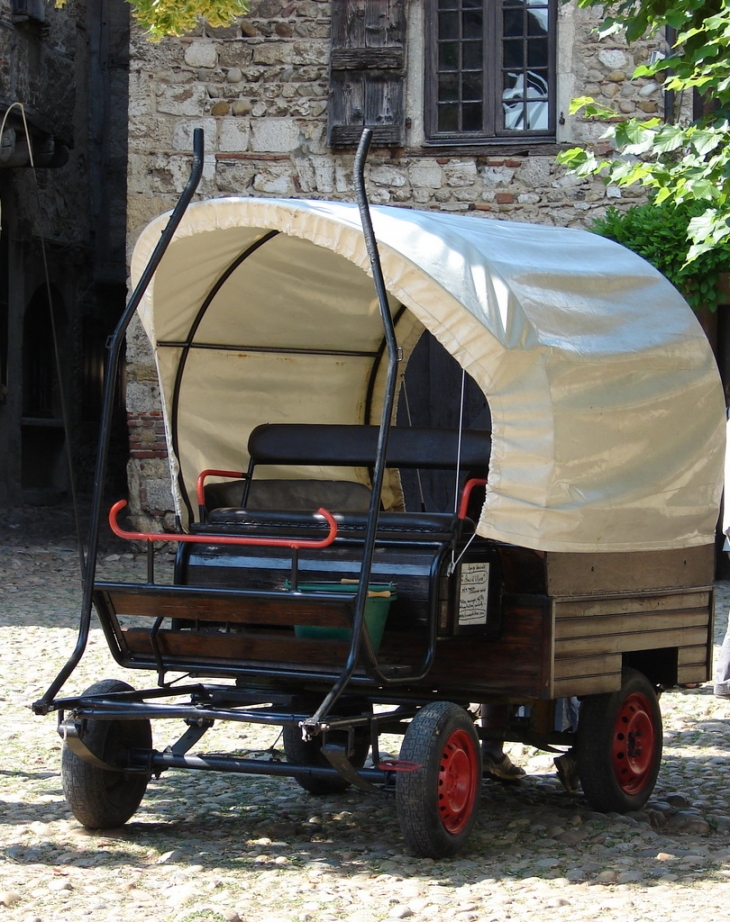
x: 367, y: 72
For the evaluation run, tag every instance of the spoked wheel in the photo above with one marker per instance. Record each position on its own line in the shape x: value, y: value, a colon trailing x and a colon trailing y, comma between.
x: 104, y: 798
x: 308, y: 752
x: 619, y: 747
x: 437, y: 802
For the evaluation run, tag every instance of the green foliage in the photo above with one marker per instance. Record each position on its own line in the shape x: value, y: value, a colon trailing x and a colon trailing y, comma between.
x: 681, y: 164
x: 177, y: 17
x: 657, y: 232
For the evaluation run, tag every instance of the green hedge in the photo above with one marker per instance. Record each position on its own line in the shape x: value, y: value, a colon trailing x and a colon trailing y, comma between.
x: 659, y: 234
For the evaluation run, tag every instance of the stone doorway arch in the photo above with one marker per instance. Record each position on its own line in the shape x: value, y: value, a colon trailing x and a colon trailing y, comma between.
x: 44, y: 471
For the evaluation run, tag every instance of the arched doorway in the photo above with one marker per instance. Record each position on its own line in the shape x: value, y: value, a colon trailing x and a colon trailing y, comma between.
x: 432, y: 395
x: 44, y: 472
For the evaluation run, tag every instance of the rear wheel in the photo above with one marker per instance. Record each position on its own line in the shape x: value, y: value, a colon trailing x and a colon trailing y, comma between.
x: 619, y: 745
x: 102, y: 798
x: 437, y: 801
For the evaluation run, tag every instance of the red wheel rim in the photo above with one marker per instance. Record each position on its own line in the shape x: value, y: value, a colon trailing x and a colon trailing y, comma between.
x: 458, y: 781
x: 634, y: 743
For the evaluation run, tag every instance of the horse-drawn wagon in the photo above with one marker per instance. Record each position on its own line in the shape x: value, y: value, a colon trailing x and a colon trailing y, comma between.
x: 308, y: 594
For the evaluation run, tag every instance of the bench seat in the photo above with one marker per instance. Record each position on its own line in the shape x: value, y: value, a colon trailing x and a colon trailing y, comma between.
x: 392, y: 526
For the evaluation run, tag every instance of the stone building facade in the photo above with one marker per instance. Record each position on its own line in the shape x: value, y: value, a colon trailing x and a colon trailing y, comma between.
x: 263, y: 90
x: 63, y: 100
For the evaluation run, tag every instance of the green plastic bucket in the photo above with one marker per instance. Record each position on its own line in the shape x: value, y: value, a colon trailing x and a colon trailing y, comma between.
x: 376, y: 612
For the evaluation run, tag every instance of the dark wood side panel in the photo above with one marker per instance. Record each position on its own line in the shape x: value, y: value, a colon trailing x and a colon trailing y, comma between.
x: 583, y: 574
x: 693, y: 656
x: 237, y: 649
x: 606, y: 626
x: 593, y: 635
x: 523, y: 569
x: 693, y: 665
x: 517, y: 663
x: 266, y: 649
x: 629, y: 609
x: 189, y: 607
x: 588, y: 675
x: 658, y: 639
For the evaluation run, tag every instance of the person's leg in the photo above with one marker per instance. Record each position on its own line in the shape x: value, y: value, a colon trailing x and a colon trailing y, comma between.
x: 496, y: 760
x: 566, y: 718
x: 722, y: 668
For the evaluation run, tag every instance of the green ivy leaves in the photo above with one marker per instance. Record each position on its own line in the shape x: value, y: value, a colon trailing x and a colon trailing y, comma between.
x: 176, y: 17
x: 682, y: 163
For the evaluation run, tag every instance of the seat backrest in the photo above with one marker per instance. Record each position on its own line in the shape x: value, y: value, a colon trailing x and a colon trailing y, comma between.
x: 356, y: 446
x: 295, y: 495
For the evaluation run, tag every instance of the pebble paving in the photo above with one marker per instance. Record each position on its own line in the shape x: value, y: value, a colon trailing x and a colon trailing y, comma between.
x: 219, y: 847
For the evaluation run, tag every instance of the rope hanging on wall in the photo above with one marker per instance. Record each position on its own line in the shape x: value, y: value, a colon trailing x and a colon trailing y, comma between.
x: 54, y: 333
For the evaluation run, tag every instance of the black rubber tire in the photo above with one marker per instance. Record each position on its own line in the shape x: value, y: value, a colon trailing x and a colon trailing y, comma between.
x: 101, y: 798
x: 437, y: 802
x: 619, y: 745
x: 308, y: 752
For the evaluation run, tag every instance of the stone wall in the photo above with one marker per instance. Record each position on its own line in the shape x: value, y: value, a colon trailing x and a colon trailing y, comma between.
x: 259, y: 90
x: 46, y: 227
x: 67, y: 217
x: 40, y: 66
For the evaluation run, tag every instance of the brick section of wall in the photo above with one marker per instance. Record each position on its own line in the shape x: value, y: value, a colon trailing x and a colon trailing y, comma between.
x: 147, y: 435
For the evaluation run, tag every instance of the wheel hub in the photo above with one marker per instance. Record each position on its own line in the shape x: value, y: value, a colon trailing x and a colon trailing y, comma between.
x: 458, y: 781
x: 633, y: 743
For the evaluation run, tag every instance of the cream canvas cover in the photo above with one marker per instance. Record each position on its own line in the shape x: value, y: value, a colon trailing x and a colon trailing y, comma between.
x: 607, y: 408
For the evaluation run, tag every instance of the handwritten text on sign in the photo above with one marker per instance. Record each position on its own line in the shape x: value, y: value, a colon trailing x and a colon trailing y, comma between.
x: 473, y: 593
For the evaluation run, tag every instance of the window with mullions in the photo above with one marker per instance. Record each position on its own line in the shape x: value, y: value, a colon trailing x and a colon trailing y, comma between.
x: 490, y: 70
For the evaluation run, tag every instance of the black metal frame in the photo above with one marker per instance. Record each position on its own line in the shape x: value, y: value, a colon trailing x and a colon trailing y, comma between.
x: 209, y: 702
x: 45, y: 704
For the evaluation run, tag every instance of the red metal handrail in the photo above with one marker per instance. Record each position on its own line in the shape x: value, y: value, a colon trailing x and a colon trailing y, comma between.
x: 466, y: 494
x: 221, y: 539
x: 200, y: 485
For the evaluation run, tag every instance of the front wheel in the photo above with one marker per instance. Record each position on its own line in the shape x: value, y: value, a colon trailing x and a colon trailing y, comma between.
x: 102, y: 798
x: 619, y: 745
x: 437, y: 801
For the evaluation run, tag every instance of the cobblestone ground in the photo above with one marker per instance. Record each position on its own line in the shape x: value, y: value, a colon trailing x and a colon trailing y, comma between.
x: 219, y: 847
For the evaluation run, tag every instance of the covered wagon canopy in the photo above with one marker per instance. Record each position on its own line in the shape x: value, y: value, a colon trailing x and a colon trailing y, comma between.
x: 607, y: 409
